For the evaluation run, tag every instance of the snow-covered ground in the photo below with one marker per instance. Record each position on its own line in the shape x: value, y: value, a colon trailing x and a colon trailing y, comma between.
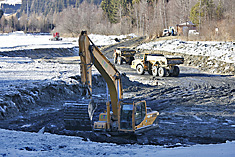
x: 16, y: 143
x: 223, y: 51
x: 21, y: 41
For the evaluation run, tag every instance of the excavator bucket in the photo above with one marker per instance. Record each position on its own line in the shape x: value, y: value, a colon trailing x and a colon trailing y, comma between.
x: 78, y: 115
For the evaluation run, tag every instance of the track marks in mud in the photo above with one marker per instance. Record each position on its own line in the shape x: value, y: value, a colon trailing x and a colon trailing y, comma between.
x: 197, y: 116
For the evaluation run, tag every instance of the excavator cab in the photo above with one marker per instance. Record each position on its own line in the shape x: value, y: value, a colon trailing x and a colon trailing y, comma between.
x: 126, y: 117
x: 134, y: 117
x: 131, y: 115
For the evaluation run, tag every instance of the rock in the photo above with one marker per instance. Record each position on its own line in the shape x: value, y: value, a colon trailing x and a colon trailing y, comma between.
x: 42, y: 130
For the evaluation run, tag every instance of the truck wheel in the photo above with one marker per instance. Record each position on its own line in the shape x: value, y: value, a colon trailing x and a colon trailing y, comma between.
x: 140, y: 69
x: 176, y: 71
x: 130, y: 61
x: 162, y: 71
x: 119, y: 60
x: 154, y: 71
x: 150, y: 72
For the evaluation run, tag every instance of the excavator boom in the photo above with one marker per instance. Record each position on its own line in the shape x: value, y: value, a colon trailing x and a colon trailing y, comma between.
x: 90, y: 54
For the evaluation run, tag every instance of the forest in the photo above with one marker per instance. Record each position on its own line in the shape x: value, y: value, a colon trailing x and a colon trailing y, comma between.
x: 142, y: 17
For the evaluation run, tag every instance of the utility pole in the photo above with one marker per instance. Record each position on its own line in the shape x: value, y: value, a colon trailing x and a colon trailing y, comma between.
x: 200, y: 15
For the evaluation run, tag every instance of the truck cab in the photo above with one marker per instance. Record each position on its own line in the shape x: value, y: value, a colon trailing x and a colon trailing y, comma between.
x: 123, y: 54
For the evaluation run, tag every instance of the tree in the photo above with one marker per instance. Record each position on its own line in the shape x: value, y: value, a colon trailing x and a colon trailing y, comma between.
x: 3, y: 23
x: 110, y: 7
x: 23, y: 21
x: 202, y: 9
x: 196, y: 13
x: 219, y: 11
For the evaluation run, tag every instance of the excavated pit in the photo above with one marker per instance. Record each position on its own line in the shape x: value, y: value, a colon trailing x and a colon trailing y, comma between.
x: 194, y: 108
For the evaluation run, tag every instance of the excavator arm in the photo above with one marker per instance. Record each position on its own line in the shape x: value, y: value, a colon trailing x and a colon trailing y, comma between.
x: 90, y: 54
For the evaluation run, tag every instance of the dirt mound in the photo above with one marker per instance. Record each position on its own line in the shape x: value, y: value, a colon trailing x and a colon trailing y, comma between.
x: 41, y: 53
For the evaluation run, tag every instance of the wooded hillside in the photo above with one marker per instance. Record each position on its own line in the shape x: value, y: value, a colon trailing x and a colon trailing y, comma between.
x: 47, y: 6
x: 142, y: 17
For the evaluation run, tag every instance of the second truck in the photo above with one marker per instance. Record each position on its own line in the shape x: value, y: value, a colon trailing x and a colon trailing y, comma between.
x: 123, y: 54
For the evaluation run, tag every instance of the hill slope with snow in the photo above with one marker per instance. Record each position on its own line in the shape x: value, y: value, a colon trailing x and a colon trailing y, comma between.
x: 11, y: 2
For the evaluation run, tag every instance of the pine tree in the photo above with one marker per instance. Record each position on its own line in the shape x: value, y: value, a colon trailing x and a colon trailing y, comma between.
x: 203, y: 8
x: 195, y: 13
x: 44, y: 6
x: 110, y: 7
x: 125, y: 6
x: 219, y: 11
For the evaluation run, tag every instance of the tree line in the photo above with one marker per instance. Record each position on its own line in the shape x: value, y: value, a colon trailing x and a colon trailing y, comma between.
x: 47, y: 6
x: 143, y: 17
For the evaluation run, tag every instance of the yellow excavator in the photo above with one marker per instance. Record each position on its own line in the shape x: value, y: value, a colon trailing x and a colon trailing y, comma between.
x: 121, y: 116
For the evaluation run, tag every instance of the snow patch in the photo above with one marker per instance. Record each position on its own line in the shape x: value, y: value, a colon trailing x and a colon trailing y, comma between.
x: 34, y: 144
x: 21, y: 41
x: 223, y: 51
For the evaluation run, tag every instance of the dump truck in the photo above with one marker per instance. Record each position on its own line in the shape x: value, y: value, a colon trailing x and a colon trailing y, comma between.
x: 157, y: 64
x: 122, y: 116
x: 123, y: 54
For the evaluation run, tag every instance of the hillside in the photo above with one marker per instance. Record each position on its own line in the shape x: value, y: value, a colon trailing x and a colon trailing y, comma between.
x: 10, y: 6
x: 213, y: 19
x: 13, y: 2
x: 46, y: 6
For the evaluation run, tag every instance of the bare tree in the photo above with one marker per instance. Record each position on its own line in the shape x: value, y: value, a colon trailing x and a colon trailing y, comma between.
x: 3, y: 23
x: 24, y: 21
x: 33, y: 22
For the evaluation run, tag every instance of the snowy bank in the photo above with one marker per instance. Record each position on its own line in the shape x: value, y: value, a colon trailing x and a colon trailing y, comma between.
x: 222, y: 51
x: 21, y: 41
x: 16, y: 143
x: 213, y: 57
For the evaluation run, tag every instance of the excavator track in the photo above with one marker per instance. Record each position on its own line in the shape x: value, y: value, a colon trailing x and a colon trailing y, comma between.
x: 78, y: 115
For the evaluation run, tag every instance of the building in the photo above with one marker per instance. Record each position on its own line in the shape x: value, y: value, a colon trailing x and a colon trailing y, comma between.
x: 183, y: 28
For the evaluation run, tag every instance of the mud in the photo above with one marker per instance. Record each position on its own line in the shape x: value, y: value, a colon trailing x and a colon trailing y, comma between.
x: 195, y: 107
x: 46, y: 53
